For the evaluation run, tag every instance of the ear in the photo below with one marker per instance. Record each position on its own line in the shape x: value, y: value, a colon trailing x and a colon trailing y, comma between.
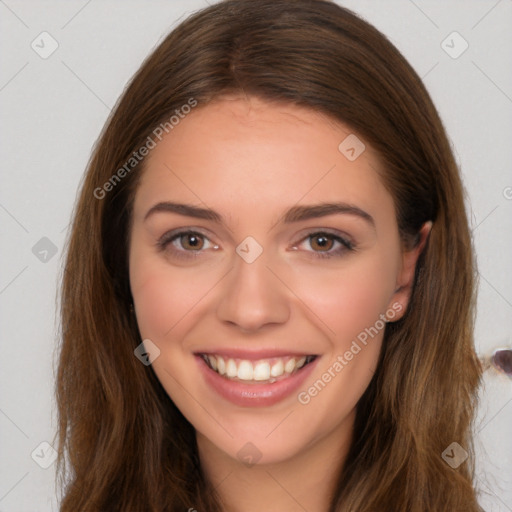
x: 405, y: 279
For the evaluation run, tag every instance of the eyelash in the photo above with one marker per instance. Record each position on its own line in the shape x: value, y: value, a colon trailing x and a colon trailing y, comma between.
x: 345, y: 245
x: 168, y: 238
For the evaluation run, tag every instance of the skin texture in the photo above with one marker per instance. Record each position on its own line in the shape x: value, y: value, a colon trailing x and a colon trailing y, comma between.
x: 250, y: 161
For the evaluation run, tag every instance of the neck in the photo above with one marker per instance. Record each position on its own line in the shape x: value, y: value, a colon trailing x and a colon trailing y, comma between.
x: 305, y: 481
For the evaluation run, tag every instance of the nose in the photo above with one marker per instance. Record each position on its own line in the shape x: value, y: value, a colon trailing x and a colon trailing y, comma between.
x: 253, y: 297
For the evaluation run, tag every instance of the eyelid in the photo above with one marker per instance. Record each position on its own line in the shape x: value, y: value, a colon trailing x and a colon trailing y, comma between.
x: 346, y: 243
x: 165, y: 242
x: 326, y: 231
x: 173, y: 233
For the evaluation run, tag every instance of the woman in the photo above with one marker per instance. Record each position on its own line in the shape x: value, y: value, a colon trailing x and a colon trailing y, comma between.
x: 267, y: 300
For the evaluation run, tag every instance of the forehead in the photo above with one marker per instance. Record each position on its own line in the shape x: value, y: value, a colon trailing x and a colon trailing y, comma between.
x: 249, y: 155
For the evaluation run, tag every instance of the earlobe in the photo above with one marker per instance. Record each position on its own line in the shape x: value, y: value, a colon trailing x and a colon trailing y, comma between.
x: 405, y: 279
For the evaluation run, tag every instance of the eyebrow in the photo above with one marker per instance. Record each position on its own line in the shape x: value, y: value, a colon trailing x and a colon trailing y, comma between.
x: 294, y: 214
x: 187, y: 210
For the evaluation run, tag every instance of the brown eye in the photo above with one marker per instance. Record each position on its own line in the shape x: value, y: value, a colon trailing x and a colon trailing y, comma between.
x: 191, y: 241
x: 321, y: 242
x: 186, y: 245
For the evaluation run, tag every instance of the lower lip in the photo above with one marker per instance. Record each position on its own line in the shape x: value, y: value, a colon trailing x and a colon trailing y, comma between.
x: 254, y: 395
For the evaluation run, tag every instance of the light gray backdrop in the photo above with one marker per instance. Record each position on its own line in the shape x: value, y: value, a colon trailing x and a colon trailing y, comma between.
x: 63, y: 66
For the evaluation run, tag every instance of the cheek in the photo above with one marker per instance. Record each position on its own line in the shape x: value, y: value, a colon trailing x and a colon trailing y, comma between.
x: 164, y: 296
x: 349, y: 299
x: 350, y: 303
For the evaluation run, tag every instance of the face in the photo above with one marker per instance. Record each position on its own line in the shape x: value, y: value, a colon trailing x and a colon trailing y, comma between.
x: 264, y: 260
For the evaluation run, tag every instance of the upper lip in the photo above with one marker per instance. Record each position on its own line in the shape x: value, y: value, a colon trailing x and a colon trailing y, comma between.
x: 252, y: 355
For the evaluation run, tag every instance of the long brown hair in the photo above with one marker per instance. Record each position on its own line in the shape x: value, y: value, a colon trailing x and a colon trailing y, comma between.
x: 122, y: 443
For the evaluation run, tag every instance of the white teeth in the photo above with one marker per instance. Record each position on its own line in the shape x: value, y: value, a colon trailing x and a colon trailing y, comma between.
x: 213, y: 362
x: 289, y: 366
x: 221, y: 366
x: 277, y: 369
x: 262, y: 370
x: 245, y: 370
x: 231, y: 369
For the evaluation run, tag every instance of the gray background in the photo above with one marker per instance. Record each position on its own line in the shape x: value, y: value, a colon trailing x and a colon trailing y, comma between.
x: 54, y: 108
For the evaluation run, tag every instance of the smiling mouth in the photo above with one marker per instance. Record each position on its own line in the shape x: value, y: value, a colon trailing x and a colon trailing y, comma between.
x: 262, y: 371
